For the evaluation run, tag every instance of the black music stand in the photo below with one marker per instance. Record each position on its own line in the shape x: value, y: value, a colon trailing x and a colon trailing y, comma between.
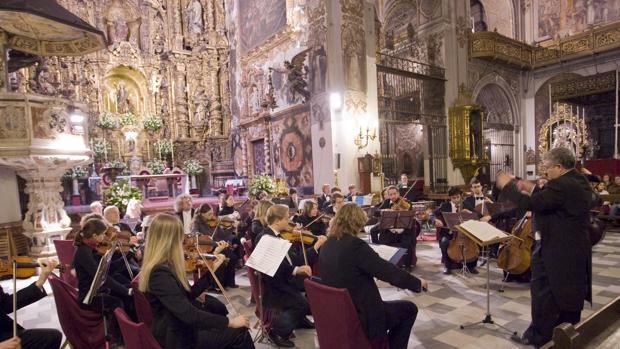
x: 452, y: 219
x: 98, y: 282
x: 391, y: 219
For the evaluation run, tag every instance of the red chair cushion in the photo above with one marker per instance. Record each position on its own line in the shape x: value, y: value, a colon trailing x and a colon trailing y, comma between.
x: 135, y: 335
x: 143, y: 307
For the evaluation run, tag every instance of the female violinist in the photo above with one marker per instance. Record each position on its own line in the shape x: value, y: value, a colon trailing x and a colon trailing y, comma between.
x: 178, y: 321
x: 206, y: 223
x: 260, y: 220
x: 227, y: 207
x: 86, y: 261
x: 310, y: 219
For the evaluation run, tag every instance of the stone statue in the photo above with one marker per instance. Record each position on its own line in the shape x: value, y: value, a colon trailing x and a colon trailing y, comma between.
x: 201, y: 106
x: 296, y: 77
x: 43, y: 80
x: 254, y: 100
x: 123, y: 103
x: 194, y: 17
x: 122, y: 22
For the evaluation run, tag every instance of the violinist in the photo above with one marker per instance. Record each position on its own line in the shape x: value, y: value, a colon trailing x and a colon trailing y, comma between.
x: 30, y: 339
x: 260, y: 220
x: 348, y: 262
x: 325, y: 198
x: 337, y: 202
x: 184, y: 209
x: 227, y: 208
x: 112, y: 216
x: 445, y: 235
x: 116, y: 291
x: 395, y: 237
x: 178, y: 320
x: 284, y: 290
x: 310, y: 220
x: 477, y: 198
x: 352, y: 193
x: 206, y: 223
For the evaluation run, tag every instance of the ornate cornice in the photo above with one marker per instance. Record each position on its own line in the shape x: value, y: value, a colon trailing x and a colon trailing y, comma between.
x: 496, y: 47
x: 582, y: 86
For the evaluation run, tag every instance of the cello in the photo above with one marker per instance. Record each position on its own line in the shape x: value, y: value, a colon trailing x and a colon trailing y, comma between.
x: 515, y: 255
x: 462, y: 249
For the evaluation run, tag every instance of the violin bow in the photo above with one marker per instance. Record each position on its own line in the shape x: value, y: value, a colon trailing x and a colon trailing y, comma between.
x: 303, y: 248
x: 412, y: 185
x: 120, y: 245
x: 314, y: 220
x: 217, y: 281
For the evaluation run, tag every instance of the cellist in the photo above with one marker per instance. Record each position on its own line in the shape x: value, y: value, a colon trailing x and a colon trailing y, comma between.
x: 445, y: 235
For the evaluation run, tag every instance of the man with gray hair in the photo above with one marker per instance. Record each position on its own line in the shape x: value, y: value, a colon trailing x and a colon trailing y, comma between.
x: 184, y: 209
x: 562, y: 255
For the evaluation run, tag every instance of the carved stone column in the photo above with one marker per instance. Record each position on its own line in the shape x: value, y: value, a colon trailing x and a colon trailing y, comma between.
x: 4, y: 66
x: 215, y: 119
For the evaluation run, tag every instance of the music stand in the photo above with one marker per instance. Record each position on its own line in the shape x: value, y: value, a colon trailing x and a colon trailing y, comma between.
x: 452, y: 219
x: 391, y: 219
x: 98, y: 282
x: 484, y: 242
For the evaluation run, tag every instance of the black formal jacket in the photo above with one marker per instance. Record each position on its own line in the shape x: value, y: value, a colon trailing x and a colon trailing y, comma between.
x: 256, y: 229
x: 445, y: 206
x: 85, y: 261
x: 180, y: 214
x: 322, y: 202
x: 561, y: 214
x: 350, y: 263
x: 201, y: 227
x: 176, y: 318
x: 318, y: 227
x: 25, y: 297
x: 283, y: 288
x: 226, y: 210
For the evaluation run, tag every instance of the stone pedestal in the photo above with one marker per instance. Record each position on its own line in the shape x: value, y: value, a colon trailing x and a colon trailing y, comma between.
x: 43, y: 241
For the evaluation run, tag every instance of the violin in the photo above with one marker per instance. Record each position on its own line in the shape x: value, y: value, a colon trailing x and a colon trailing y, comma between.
x: 401, y: 204
x: 25, y: 268
x: 195, y: 260
x: 113, y: 234
x: 212, y: 223
x: 297, y: 235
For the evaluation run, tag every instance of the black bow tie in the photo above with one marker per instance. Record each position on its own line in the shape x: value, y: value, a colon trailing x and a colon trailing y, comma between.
x: 479, y: 197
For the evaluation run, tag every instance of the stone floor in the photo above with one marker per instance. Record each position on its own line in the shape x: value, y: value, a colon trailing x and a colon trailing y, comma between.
x: 450, y: 302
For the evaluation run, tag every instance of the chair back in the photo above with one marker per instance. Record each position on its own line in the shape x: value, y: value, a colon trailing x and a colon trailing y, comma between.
x: 135, y: 335
x: 266, y: 315
x: 83, y: 328
x: 335, y: 318
x: 247, y: 247
x: 143, y: 306
x: 66, y: 251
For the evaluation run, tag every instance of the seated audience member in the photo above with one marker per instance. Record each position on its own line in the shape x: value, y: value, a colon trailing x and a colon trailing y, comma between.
x: 601, y: 188
x: 27, y: 339
x: 179, y: 321
x: 184, y: 209
x: 309, y: 219
x: 283, y: 290
x: 349, y: 262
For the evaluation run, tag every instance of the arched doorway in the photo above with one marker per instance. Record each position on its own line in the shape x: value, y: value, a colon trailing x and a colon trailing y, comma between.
x: 499, y: 128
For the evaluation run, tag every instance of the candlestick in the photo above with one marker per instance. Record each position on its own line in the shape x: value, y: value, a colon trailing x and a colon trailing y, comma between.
x: 120, y: 156
x: 172, y: 150
x: 159, y: 148
x: 148, y: 150
x: 105, y: 150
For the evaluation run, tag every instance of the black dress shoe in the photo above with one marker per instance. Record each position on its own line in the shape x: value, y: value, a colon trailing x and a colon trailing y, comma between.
x: 447, y: 271
x: 281, y: 341
x: 306, y: 323
x: 474, y: 270
x: 521, y: 339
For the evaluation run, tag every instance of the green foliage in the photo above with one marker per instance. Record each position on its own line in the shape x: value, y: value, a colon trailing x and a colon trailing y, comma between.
x: 75, y: 172
x: 127, y: 119
x: 153, y: 123
x: 107, y: 121
x: 156, y: 166
x: 260, y: 183
x: 120, y: 193
x: 163, y: 147
x: 192, y: 167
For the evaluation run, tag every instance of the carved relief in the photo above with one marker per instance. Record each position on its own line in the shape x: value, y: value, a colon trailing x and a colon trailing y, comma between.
x: 13, y: 123
x: 354, y: 49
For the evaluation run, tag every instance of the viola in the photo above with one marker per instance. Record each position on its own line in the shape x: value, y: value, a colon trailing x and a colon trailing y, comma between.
x: 25, y: 268
x: 298, y: 235
x: 113, y: 234
x: 212, y: 223
x: 195, y: 260
x: 401, y: 204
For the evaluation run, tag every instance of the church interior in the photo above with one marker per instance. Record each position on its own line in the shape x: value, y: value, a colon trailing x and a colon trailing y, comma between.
x: 218, y: 112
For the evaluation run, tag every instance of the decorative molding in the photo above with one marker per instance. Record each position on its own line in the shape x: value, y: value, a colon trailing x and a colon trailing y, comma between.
x: 583, y: 86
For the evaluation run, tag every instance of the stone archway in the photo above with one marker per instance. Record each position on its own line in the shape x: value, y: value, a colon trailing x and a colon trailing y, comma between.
x: 499, y: 131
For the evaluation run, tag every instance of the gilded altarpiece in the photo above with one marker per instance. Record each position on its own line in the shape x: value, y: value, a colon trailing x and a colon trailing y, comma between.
x: 166, y: 58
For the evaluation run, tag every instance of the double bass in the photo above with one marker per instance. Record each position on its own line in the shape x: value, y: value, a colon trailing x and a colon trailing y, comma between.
x: 515, y: 255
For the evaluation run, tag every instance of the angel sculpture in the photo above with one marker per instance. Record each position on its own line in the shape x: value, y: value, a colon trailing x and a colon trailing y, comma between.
x: 297, y: 74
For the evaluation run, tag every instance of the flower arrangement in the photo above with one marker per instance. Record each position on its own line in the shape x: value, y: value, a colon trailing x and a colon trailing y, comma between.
x: 99, y: 146
x: 120, y: 193
x: 75, y: 172
x: 107, y: 121
x: 152, y: 123
x: 260, y: 183
x: 192, y: 167
x: 127, y: 119
x: 163, y: 147
x: 115, y: 164
x: 156, y: 166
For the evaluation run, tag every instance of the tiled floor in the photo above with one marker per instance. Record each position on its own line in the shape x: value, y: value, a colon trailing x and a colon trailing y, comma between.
x: 450, y: 302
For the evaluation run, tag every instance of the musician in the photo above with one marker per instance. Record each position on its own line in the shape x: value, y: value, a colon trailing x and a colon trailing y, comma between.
x: 324, y: 199
x: 309, y: 219
x: 184, y: 209
x: 96, y: 207
x: 352, y: 193
x: 178, y: 321
x: 477, y: 197
x: 116, y: 291
x: 30, y: 339
x: 283, y: 290
x: 405, y: 189
x: 404, y: 182
x: 294, y: 198
x: 348, y: 262
x: 337, y: 202
x: 284, y: 198
x: 112, y: 215
x: 395, y: 237
x: 260, y: 220
x: 561, y: 261
x: 228, y: 207
x: 445, y: 235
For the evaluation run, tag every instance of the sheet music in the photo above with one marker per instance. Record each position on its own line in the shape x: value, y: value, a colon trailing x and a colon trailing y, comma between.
x: 384, y: 251
x: 268, y: 255
x: 482, y: 230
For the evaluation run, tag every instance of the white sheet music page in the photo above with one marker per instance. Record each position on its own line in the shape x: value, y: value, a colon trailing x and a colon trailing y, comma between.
x: 384, y: 251
x: 268, y: 254
x: 483, y: 230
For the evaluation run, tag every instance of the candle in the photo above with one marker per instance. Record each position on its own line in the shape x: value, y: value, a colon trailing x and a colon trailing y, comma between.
x: 172, y: 155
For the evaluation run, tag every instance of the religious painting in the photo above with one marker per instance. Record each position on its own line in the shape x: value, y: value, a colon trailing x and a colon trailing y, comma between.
x: 258, y: 152
x: 408, y: 144
x: 259, y: 20
x: 318, y: 69
x: 41, y: 124
x: 568, y: 17
x: 293, y: 153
